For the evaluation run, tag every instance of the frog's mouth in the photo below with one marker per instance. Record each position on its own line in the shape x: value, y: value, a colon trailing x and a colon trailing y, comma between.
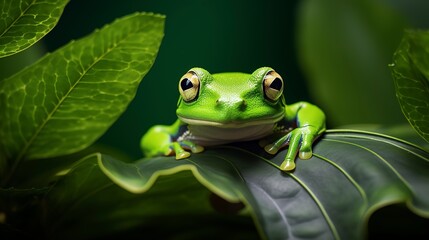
x: 239, y: 123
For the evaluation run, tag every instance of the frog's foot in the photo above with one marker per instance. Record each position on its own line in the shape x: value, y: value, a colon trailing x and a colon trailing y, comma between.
x: 299, y: 142
x: 289, y: 162
x: 181, y: 153
x: 192, y: 146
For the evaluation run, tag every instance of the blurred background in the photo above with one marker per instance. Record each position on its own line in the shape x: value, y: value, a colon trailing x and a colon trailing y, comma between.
x: 333, y: 53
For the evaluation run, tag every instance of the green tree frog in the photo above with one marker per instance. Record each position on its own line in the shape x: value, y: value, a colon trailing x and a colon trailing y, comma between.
x: 222, y: 108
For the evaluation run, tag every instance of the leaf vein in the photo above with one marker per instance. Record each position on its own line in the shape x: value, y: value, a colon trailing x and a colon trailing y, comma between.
x: 319, y: 204
x: 383, y: 160
x: 63, y: 98
x: 18, y: 18
x: 350, y: 178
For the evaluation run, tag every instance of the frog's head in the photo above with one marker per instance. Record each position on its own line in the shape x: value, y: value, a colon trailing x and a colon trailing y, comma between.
x: 231, y: 99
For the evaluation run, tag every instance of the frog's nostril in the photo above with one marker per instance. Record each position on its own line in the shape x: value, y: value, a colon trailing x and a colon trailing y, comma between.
x: 223, y: 102
x: 242, y: 105
x: 232, y: 103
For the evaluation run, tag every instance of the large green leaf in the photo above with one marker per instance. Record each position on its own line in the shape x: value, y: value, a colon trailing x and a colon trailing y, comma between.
x: 345, y: 49
x: 410, y: 70
x: 68, y: 99
x: 24, y: 22
x: 85, y: 204
x: 330, y: 196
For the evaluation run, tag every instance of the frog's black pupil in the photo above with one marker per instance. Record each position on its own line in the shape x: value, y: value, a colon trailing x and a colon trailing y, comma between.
x: 276, y: 84
x: 186, y: 84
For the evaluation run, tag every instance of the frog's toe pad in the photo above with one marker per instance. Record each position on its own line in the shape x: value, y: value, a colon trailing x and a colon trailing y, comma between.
x: 197, y: 149
x: 182, y: 155
x: 169, y: 152
x: 287, y: 165
x: 305, y: 155
x: 271, y: 149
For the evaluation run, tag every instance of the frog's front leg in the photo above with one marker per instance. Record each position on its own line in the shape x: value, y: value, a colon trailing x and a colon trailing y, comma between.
x: 299, y: 140
x: 163, y: 140
x: 310, y: 122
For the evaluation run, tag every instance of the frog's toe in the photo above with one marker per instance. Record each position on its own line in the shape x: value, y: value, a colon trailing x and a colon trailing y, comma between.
x: 179, y: 151
x: 182, y: 155
x: 197, y: 149
x: 305, y: 155
x: 271, y: 149
x: 288, y: 165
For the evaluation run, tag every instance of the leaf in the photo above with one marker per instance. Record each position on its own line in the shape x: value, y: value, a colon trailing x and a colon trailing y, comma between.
x: 69, y: 98
x: 25, y: 22
x: 344, y: 50
x: 330, y: 196
x: 410, y: 71
x: 85, y: 204
x: 402, y: 131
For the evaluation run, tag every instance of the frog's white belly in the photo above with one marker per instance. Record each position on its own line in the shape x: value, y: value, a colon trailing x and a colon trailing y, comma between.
x: 211, y: 135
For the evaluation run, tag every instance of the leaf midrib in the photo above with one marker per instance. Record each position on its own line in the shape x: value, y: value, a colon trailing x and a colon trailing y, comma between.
x: 57, y: 106
x: 16, y: 20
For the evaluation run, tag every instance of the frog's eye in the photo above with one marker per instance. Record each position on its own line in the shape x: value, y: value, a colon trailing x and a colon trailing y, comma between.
x: 273, y: 86
x: 189, y: 86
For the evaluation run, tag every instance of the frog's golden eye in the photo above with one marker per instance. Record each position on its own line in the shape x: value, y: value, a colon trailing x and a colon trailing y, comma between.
x: 273, y: 86
x: 189, y: 86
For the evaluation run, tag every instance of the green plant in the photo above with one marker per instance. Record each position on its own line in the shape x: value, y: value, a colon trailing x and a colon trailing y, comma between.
x: 65, y: 101
x: 55, y: 185
x: 411, y: 77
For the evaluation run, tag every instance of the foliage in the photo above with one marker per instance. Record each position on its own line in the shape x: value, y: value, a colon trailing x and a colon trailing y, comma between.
x: 65, y: 101
x: 350, y: 175
x: 55, y: 185
x: 69, y: 98
x: 25, y: 22
x: 411, y: 76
